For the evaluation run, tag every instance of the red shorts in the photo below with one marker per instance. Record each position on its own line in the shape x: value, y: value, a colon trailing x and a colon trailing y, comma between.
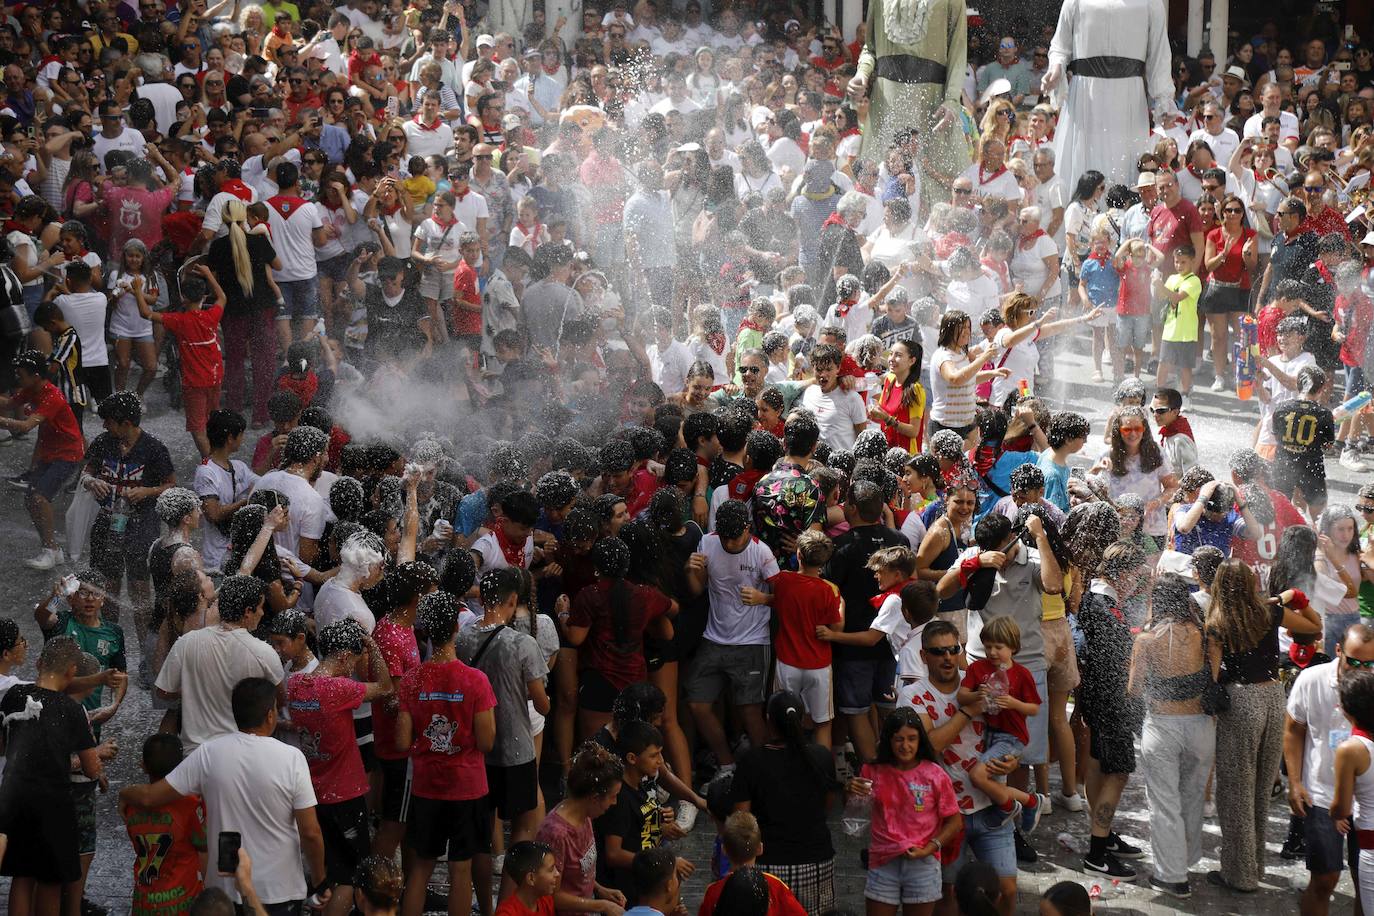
x: 198, y: 403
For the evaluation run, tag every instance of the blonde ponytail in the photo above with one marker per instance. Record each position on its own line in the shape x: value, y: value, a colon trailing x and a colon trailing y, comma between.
x: 235, y: 215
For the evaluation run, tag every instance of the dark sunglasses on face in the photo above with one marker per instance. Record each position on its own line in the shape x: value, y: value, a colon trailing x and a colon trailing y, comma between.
x: 749, y: 370
x: 1160, y: 411
x: 1365, y: 508
x: 1356, y: 663
x: 944, y: 650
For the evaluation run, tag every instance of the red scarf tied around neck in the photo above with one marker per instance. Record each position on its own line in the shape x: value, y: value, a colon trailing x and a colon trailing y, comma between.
x: 716, y: 342
x: 844, y: 305
x: 1180, y: 427
x: 878, y: 599
x: 1028, y: 242
x: 834, y: 219
x: 514, y: 553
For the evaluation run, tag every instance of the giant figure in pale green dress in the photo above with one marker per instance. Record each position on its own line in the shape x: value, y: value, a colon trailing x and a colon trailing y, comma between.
x: 914, y: 58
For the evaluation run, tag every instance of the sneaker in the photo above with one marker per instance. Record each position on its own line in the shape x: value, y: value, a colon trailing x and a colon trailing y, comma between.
x: 1110, y: 866
x: 1351, y: 460
x: 1097, y: 375
x: 1074, y: 802
x: 1152, y: 367
x: 498, y: 862
x: 1121, y: 849
x: 1030, y: 817
x: 47, y: 558
x: 1218, y: 384
x: 1294, y: 848
x: 91, y: 908
x: 726, y: 769
x: 1046, y: 806
x: 1209, y: 809
x: 6, y: 437
x: 18, y: 482
x: 686, y: 816
x: 1179, y: 889
x: 1015, y: 812
x: 1025, y: 852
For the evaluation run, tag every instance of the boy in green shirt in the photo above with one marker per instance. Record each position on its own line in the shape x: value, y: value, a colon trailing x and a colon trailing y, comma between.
x: 1179, y: 342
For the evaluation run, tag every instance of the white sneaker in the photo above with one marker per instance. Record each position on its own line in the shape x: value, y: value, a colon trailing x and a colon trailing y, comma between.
x: 1351, y: 461
x: 686, y: 816
x: 47, y: 558
x: 1074, y: 802
x: 1218, y: 384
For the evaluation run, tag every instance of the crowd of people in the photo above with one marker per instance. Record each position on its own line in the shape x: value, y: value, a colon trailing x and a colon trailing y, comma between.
x: 605, y: 380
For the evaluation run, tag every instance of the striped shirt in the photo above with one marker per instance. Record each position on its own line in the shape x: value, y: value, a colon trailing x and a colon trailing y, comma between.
x: 66, y: 355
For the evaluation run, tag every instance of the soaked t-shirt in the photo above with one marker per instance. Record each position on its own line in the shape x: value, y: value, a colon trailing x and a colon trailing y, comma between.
x: 574, y: 849
x: 322, y: 708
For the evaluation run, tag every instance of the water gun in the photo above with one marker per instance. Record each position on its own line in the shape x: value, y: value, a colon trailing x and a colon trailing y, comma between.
x: 1245, y: 355
x: 1351, y: 406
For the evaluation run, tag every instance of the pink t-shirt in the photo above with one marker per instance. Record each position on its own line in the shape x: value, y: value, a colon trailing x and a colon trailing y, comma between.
x: 322, y: 707
x: 574, y: 849
x: 908, y: 807
x: 402, y: 654
x: 136, y: 213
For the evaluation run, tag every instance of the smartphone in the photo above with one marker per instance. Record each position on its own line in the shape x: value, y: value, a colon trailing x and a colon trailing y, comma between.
x: 1340, y: 65
x: 260, y: 112
x: 230, y: 842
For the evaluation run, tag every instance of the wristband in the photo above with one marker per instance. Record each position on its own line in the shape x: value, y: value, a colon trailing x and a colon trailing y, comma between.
x: 320, y: 888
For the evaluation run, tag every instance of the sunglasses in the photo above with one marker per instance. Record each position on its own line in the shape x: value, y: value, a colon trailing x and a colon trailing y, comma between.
x: 749, y: 370
x: 1237, y: 210
x: 482, y: 156
x: 1356, y: 663
x: 963, y: 190
x: 1133, y: 429
x: 1157, y: 411
x: 1365, y: 508
x: 944, y: 650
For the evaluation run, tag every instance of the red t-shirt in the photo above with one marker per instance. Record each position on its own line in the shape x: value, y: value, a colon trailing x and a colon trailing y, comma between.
x: 465, y: 321
x: 1133, y: 296
x: 322, y: 707
x: 402, y: 655
x: 621, y: 663
x: 643, y: 486
x: 1232, y: 270
x: 512, y: 906
x: 1020, y: 686
x: 168, y: 843
x: 1173, y: 226
x: 1262, y: 550
x: 202, y: 364
x: 303, y: 388
x: 443, y: 699
x: 781, y: 900
x: 59, y: 436
x: 803, y: 603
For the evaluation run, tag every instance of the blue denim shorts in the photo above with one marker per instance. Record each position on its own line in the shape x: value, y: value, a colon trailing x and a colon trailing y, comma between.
x: 905, y: 880
x: 998, y: 744
x: 1134, y: 331
x: 987, y: 838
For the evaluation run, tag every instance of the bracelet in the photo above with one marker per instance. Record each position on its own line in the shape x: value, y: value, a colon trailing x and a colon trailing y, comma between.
x: 938, y: 845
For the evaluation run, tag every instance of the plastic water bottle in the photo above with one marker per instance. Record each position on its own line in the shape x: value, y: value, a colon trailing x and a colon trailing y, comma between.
x: 858, y: 811
x: 1066, y: 840
x: 997, y: 683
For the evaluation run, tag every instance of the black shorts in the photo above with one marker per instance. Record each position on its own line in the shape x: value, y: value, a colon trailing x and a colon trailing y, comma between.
x: 1327, y: 851
x: 1113, y: 749
x: 594, y: 692
x: 42, y: 831
x: 362, y: 730
x: 98, y: 382
x: 1293, y: 477
x: 347, y: 840
x: 113, y: 555
x: 458, y: 829
x: 395, y: 788
x: 513, y: 790
x: 659, y: 652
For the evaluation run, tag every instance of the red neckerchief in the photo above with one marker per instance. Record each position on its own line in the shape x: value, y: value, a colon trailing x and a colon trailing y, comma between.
x: 716, y: 342
x: 460, y: 195
x: 1195, y: 171
x: 237, y: 188
x: 12, y: 225
x: 558, y: 65
x: 878, y: 599
x: 1028, y: 242
x: 1101, y: 259
x: 1002, y: 271
x: 514, y: 553
x: 284, y: 206
x: 1301, y: 654
x: 531, y: 234
x: 1180, y: 427
x: 424, y: 126
x: 1358, y: 732
x: 993, y: 177
x: 444, y: 225
x: 844, y: 305
x: 852, y: 132
x: 276, y: 30
x: 748, y: 325
x: 834, y: 219
x: 1325, y: 272
x: 983, y: 458
x: 742, y: 484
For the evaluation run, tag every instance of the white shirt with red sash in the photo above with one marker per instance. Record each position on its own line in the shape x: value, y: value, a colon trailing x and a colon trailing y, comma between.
x: 293, y: 222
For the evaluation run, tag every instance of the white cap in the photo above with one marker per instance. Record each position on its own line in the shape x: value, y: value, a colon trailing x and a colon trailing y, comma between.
x: 1000, y: 86
x: 486, y: 40
x: 1145, y: 180
x: 1236, y: 73
x: 1368, y: 239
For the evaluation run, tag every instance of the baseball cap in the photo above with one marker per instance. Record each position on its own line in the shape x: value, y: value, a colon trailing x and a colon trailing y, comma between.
x: 486, y: 40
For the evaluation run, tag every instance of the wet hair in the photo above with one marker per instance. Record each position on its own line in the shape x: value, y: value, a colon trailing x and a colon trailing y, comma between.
x: 786, y: 712
x: 1026, y: 478
x: 1205, y: 560
x: 223, y: 425
x: 410, y: 580
x: 616, y: 457
x: 898, y: 559
x: 947, y: 444
x: 303, y: 444
x: 161, y: 754
x: 871, y: 443
x: 496, y: 586
x: 900, y: 718
x: 343, y: 636
x: 594, y: 771
x: 1066, y: 425
x: 9, y: 634
x: 121, y: 407
x: 346, y: 499
x: 239, y: 595
x: 522, y: 860
x: 1088, y: 530
x: 437, y: 615
x: 733, y: 429
x: 380, y: 880
x: 800, y: 435
x: 289, y: 623
x: 746, y: 891
x: 977, y: 889
x: 732, y: 519
x: 1238, y: 616
x: 763, y: 449
x: 679, y: 466
x: 1129, y: 388
x: 1293, y: 565
x: 175, y: 504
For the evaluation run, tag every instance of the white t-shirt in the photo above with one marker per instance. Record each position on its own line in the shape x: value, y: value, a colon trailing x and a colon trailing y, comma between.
x: 972, y: 297
x: 470, y: 209
x: 951, y: 405
x: 335, y: 601
x: 423, y: 142
x: 128, y: 139
x: 1028, y: 266
x: 309, y: 512
x: 165, y: 98
x: 211, y: 480
x: 837, y: 413
x: 1288, y: 125
x: 1223, y: 145
x: 1021, y: 360
x: 1001, y: 184
x: 214, y: 211
x: 293, y: 236
x: 904, y: 641
x: 785, y: 153
x: 732, y: 622
x: 669, y: 367
x: 914, y: 530
x: 1315, y: 702
x: 856, y: 321
x: 489, y: 549
x: 86, y: 313
x: 253, y: 786
x: 1278, y: 394
x: 203, y: 666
